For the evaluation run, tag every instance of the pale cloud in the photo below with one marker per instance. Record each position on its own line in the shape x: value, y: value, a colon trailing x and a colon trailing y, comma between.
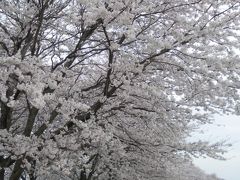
x: 225, y: 127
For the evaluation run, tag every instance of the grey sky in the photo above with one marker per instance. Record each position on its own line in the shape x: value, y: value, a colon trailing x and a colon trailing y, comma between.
x: 225, y: 127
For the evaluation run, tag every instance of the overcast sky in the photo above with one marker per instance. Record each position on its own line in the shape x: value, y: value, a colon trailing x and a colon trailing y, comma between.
x: 225, y: 127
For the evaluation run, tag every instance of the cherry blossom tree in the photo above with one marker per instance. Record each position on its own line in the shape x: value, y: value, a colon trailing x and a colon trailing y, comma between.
x: 107, y: 89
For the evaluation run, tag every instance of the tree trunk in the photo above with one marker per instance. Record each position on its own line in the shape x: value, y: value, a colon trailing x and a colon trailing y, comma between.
x: 17, y: 170
x: 2, y: 172
x: 83, y: 175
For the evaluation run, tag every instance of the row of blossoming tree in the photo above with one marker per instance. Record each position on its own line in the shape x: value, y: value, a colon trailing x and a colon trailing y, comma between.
x: 108, y: 89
